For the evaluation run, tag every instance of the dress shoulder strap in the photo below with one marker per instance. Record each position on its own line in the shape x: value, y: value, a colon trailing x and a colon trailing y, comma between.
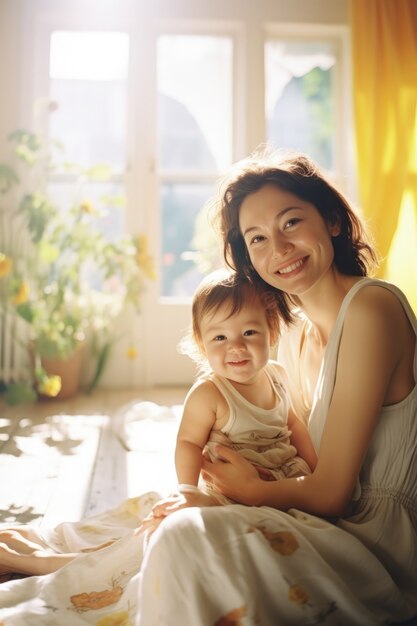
x: 327, y: 375
x: 377, y: 282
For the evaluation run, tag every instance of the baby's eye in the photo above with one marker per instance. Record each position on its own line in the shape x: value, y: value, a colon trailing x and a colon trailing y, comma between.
x: 219, y: 338
x: 249, y: 333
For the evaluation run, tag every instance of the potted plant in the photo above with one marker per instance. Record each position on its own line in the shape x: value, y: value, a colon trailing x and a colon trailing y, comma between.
x: 60, y: 276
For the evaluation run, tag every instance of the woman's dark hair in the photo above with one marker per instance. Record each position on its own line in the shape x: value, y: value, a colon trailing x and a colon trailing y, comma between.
x: 297, y: 174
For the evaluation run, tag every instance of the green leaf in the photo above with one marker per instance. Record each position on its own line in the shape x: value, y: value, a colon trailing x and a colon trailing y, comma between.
x: 24, y: 153
x: 27, y: 138
x: 39, y: 213
x: 118, y: 201
x: 100, y: 171
x: 18, y: 393
x: 102, y: 359
x: 48, y: 253
x: 8, y: 178
x: 25, y: 311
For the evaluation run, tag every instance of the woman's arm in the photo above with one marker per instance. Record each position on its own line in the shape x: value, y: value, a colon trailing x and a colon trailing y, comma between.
x: 368, y: 355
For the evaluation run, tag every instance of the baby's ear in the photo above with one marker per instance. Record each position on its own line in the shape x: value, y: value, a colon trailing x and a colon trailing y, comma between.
x: 273, y: 338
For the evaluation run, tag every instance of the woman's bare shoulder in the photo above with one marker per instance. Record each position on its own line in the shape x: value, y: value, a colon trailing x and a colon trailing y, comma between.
x: 376, y: 303
x: 376, y: 325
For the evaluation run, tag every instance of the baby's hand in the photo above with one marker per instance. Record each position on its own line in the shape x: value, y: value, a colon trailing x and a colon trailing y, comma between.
x: 264, y: 473
x: 177, y: 501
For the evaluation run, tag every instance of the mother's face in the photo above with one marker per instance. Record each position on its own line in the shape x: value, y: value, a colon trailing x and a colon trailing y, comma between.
x: 288, y: 241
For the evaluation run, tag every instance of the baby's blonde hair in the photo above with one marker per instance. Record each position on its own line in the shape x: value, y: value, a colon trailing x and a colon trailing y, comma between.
x: 216, y: 289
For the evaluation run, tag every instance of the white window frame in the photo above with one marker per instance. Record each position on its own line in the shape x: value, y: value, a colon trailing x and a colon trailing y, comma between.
x: 248, y: 29
x: 338, y: 36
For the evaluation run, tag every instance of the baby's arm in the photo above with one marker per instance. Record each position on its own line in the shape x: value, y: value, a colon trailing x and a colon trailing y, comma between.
x: 198, y: 419
x: 300, y: 439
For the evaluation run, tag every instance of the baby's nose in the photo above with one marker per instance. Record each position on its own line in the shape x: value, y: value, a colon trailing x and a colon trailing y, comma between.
x: 237, y: 345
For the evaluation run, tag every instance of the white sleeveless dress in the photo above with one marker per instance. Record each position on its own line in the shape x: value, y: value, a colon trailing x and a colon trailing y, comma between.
x: 262, y: 566
x: 250, y: 566
x: 383, y: 511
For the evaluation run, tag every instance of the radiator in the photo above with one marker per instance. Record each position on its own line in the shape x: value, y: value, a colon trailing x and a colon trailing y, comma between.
x: 13, y: 353
x: 14, y: 358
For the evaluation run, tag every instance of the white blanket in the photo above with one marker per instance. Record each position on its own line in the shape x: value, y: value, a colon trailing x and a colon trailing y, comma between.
x: 143, y: 425
x: 245, y: 566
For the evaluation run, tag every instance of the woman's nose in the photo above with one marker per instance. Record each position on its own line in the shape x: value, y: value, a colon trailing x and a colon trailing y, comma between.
x: 280, y: 245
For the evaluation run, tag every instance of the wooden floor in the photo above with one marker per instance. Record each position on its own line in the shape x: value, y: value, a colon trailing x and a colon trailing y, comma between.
x: 62, y: 460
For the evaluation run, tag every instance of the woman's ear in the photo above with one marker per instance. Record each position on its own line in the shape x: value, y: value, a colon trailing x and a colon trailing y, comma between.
x: 334, y: 227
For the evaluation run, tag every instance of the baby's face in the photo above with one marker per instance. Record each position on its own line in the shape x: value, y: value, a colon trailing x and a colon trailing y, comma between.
x: 237, y: 346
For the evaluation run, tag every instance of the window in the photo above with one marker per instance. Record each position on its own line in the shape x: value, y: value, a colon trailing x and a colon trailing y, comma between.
x: 307, y: 94
x: 179, y: 91
x: 194, y: 82
x: 299, y: 103
x: 88, y: 89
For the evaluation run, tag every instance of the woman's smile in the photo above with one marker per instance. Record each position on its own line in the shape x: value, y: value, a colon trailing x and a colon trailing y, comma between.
x: 292, y: 267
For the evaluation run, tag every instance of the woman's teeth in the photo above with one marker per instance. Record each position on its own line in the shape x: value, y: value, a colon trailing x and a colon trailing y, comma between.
x: 291, y: 268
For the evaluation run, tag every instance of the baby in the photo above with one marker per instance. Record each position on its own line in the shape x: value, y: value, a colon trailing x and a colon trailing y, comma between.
x: 240, y: 398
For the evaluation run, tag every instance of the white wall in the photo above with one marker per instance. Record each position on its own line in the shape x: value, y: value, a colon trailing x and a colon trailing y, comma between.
x: 10, y: 68
x: 20, y: 21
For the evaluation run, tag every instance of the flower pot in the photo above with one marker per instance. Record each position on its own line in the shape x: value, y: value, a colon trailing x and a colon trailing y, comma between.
x: 68, y: 369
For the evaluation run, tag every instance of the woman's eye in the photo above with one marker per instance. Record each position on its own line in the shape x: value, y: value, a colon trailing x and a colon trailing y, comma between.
x: 292, y: 222
x: 256, y: 239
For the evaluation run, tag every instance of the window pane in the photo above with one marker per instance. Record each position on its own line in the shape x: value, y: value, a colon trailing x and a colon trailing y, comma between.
x: 88, y: 83
x: 181, y: 205
x: 299, y: 101
x: 195, y: 102
x: 194, y: 81
x: 104, y: 198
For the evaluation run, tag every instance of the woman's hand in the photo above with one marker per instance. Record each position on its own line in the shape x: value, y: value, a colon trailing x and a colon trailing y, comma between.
x: 233, y: 476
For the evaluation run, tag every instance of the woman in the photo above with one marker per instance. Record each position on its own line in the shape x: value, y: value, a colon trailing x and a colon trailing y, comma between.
x: 338, y: 546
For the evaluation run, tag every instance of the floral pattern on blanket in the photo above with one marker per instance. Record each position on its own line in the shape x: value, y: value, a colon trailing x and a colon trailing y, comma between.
x: 282, y: 541
x: 101, y: 587
x: 96, y: 599
x: 232, y: 618
x: 121, y: 618
x: 285, y: 543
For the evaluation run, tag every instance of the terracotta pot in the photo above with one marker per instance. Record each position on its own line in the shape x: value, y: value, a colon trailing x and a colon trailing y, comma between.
x: 69, y: 369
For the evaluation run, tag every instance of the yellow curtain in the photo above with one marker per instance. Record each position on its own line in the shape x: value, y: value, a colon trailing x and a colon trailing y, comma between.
x: 384, y: 49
